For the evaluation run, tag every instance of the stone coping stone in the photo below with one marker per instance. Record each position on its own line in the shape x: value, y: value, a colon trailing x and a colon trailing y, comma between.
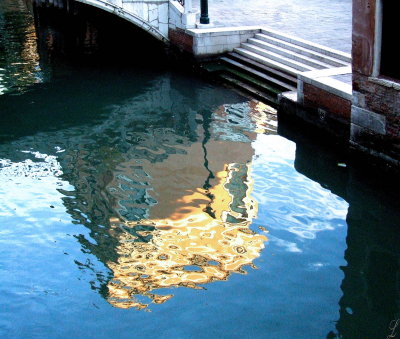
x: 197, y: 32
x: 385, y: 82
x: 290, y: 95
x: 324, y: 79
x: 346, y: 78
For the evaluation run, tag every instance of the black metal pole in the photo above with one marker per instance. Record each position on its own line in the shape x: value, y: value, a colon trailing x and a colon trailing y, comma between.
x: 204, y: 19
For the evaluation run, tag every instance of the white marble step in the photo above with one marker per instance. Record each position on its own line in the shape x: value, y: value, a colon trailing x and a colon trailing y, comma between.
x: 263, y: 68
x: 309, y: 45
x: 332, y: 61
x: 289, y: 54
x: 258, y: 74
x: 299, y: 66
x: 266, y: 61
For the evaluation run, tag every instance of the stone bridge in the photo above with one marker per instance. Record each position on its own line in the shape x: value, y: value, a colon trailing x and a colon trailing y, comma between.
x: 157, y: 17
x: 154, y: 16
x: 170, y: 22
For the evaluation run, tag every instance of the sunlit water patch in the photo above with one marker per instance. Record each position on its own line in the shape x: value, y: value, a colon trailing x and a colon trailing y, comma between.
x: 295, y: 203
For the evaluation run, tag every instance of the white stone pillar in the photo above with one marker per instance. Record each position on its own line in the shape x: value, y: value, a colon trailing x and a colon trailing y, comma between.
x: 188, y: 6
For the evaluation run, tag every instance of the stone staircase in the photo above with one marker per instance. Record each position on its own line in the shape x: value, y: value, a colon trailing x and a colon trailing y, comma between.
x: 270, y: 62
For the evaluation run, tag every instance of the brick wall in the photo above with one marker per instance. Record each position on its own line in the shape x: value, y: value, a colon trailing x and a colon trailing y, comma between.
x: 375, y: 114
x: 179, y: 38
x: 336, y: 106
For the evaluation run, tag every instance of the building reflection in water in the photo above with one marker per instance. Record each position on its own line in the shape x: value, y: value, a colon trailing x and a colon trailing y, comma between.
x: 181, y: 210
x: 190, y: 247
x: 19, y: 58
x: 189, y: 225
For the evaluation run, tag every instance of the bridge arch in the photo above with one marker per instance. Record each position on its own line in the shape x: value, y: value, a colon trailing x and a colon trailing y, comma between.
x: 117, y: 7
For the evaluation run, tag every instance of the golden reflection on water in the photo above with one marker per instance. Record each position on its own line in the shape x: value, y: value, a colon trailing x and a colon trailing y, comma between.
x: 264, y: 117
x: 197, y: 230
x: 210, y: 245
x: 194, y: 234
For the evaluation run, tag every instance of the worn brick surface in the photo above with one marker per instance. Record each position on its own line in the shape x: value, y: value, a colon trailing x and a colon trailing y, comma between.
x: 335, y: 105
x: 179, y: 38
x: 379, y: 99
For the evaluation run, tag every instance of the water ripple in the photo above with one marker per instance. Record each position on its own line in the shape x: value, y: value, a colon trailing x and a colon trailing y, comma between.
x: 293, y: 203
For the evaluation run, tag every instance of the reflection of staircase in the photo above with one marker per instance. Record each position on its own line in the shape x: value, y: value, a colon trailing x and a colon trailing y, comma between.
x: 269, y: 63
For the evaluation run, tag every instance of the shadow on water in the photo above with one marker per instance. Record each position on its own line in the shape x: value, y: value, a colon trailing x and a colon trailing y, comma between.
x: 370, y: 305
x: 61, y: 55
x: 79, y: 66
x: 77, y: 99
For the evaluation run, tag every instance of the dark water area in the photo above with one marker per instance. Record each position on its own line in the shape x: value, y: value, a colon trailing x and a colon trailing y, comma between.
x: 137, y: 200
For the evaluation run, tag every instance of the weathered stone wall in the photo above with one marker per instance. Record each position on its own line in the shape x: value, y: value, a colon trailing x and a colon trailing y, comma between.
x: 180, y: 17
x: 375, y: 116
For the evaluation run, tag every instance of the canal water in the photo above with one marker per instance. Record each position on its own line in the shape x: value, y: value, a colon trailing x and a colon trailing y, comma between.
x: 144, y: 202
